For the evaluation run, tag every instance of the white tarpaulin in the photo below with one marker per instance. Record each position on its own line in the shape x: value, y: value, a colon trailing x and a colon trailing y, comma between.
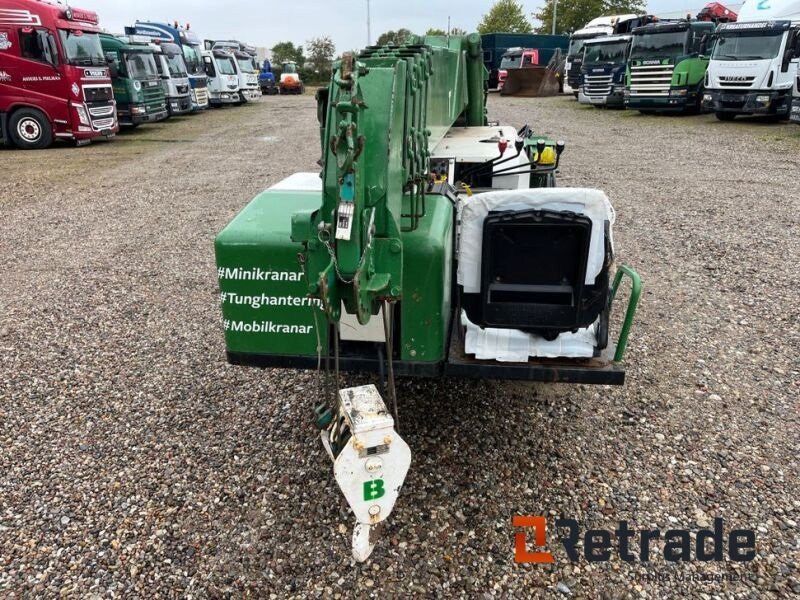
x: 513, y: 345
x: 592, y: 203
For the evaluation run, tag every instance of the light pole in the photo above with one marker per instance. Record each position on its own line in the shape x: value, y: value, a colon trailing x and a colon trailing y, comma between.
x: 369, y: 32
x: 555, y: 14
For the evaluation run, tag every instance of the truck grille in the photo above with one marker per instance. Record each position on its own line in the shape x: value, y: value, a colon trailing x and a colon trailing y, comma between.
x: 102, y: 110
x: 574, y: 74
x: 98, y: 94
x: 201, y: 96
x: 597, y: 85
x: 100, y: 124
x: 735, y: 82
x: 651, y: 80
x: 153, y: 98
x: 182, y: 89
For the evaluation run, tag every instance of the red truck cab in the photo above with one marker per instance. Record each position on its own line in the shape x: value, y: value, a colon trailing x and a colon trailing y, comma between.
x: 516, y: 58
x: 54, y: 79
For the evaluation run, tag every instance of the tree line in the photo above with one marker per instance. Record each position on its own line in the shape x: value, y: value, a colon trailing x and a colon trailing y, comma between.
x: 315, y: 60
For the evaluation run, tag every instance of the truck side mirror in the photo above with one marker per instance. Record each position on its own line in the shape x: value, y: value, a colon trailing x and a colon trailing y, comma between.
x: 209, y: 66
x: 704, y: 44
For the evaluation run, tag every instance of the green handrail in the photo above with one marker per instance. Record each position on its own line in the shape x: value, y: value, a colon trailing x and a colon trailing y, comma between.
x: 633, y: 301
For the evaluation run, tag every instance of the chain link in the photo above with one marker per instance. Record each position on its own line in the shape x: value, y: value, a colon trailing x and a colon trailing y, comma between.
x: 361, y: 261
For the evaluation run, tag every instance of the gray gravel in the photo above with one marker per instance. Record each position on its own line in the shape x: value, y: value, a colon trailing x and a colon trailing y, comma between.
x: 135, y: 462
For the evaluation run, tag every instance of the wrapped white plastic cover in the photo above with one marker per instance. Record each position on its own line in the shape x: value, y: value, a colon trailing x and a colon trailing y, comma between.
x: 513, y: 345
x: 592, y: 203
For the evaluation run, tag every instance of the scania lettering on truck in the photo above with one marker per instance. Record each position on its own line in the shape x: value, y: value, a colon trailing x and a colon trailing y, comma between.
x: 192, y: 49
x: 54, y: 81
x: 603, y: 70
x: 223, y: 78
x: 667, y: 66
x: 753, y: 69
x: 137, y: 85
x: 246, y: 66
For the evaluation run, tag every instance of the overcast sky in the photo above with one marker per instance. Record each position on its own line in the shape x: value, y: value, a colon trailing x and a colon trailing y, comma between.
x: 265, y: 22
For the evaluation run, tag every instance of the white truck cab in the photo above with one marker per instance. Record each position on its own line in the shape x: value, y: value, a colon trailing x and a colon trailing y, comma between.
x: 223, y: 77
x: 174, y: 77
x: 246, y: 66
x: 754, y: 62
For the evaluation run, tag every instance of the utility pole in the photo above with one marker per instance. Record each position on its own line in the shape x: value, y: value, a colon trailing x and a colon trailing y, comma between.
x: 555, y: 14
x: 369, y: 31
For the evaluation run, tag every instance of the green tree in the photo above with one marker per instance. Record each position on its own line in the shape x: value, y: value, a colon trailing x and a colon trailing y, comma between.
x: 434, y: 31
x: 321, y: 51
x: 505, y: 16
x: 287, y: 51
x: 574, y: 14
x: 458, y: 31
x: 394, y: 37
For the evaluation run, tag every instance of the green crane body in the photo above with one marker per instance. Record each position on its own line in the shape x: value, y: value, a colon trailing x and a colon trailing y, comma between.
x: 375, y: 231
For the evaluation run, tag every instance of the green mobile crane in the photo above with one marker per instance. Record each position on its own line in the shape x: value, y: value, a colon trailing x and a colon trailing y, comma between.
x: 433, y: 243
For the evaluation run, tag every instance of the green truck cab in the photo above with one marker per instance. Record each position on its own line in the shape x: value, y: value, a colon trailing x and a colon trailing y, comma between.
x: 135, y: 80
x: 667, y: 65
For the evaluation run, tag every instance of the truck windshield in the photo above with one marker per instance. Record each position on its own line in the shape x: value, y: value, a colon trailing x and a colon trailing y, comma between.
x: 225, y: 65
x: 191, y: 54
x: 605, y: 53
x: 576, y: 46
x: 289, y: 68
x: 749, y: 45
x: 177, y: 67
x: 246, y: 65
x: 511, y: 61
x: 82, y: 48
x: 668, y: 43
x: 141, y: 65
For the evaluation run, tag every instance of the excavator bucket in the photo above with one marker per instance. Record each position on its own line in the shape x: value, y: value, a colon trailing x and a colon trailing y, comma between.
x: 537, y: 80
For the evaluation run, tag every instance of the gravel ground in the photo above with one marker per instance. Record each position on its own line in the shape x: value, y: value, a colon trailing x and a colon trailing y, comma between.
x: 136, y: 463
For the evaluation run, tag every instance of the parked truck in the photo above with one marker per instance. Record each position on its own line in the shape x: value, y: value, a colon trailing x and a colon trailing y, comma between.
x: 599, y: 27
x: 497, y: 48
x: 192, y: 49
x: 754, y: 62
x: 54, y: 80
x: 135, y: 79
x: 246, y: 67
x: 223, y: 78
x: 603, y: 70
x: 266, y: 79
x: 174, y: 78
x: 667, y: 66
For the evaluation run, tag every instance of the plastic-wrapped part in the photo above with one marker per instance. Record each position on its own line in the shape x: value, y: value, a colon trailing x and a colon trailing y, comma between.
x: 536, y: 260
x: 513, y: 345
x: 590, y: 202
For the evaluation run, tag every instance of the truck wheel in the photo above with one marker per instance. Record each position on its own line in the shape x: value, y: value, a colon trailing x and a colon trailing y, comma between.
x: 29, y: 129
x: 725, y: 116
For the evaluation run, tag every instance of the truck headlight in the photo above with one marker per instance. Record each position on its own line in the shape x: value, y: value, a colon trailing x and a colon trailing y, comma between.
x: 762, y: 99
x: 138, y: 110
x: 83, y: 116
x: 678, y: 92
x: 707, y: 98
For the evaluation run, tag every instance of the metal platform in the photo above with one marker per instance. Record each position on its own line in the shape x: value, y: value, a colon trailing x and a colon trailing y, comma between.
x: 597, y: 371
